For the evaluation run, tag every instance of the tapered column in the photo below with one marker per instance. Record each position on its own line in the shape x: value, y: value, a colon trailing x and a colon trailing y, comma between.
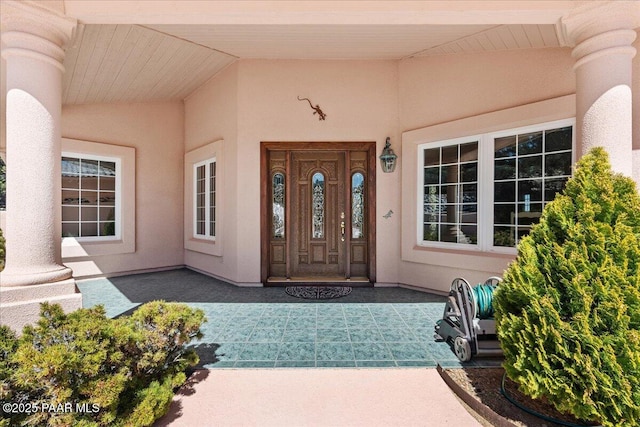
x: 602, y: 34
x: 33, y: 39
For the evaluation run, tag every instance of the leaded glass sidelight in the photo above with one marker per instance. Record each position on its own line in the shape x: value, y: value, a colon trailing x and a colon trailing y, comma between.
x: 357, y: 205
x: 317, y: 205
x: 278, y: 206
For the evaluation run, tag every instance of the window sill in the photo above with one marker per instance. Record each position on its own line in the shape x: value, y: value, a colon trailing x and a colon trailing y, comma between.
x: 467, y: 252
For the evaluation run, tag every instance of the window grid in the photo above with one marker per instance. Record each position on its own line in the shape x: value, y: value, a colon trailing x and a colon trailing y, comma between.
x: 89, y: 198
x: 532, y: 189
x: 450, y: 193
x: 505, y: 197
x: 205, y: 199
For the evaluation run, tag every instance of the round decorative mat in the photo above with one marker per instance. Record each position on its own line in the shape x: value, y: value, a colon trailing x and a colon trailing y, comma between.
x: 318, y: 292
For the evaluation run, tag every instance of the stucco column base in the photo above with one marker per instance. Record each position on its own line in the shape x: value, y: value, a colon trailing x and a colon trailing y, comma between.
x: 34, y: 276
x: 20, y: 306
x: 635, y: 160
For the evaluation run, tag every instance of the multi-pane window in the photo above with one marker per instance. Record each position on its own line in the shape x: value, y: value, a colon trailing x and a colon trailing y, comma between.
x: 487, y: 191
x: 529, y: 170
x: 205, y: 199
x: 450, y: 193
x: 89, y: 196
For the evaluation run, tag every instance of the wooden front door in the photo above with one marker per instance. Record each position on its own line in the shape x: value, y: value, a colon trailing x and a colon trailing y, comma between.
x: 318, y: 213
x: 318, y: 218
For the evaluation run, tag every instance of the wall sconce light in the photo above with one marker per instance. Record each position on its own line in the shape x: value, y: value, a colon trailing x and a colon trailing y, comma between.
x: 388, y: 158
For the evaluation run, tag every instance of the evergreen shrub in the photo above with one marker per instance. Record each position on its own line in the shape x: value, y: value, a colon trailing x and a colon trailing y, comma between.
x: 121, y: 371
x: 568, y: 310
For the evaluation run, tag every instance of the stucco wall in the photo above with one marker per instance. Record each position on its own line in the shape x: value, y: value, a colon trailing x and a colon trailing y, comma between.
x: 211, y: 114
x: 635, y: 76
x: 435, y: 94
x: 360, y: 100
x: 155, y: 130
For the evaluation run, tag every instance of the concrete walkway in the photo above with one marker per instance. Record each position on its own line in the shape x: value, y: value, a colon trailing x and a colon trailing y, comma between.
x: 330, y: 397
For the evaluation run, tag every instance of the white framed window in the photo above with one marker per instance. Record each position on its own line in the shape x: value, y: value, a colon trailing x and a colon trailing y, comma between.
x: 486, y: 191
x: 91, y: 197
x: 204, y: 198
x: 449, y: 192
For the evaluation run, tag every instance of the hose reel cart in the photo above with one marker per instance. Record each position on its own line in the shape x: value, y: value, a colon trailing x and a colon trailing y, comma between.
x: 467, y: 323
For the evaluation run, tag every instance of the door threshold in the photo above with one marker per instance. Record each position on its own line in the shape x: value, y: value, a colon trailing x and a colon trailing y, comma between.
x: 318, y: 281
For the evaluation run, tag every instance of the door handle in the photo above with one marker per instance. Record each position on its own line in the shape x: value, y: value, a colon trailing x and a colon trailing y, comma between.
x: 342, y: 230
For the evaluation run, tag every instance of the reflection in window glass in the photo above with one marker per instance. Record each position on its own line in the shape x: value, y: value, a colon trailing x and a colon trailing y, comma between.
x: 357, y: 205
x: 450, y: 194
x: 88, y: 197
x: 317, y: 205
x: 278, y: 206
x: 529, y: 170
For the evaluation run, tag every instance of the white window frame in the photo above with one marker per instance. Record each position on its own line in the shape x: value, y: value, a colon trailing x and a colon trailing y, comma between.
x: 118, y: 194
x: 485, y: 222
x: 192, y: 241
x: 207, y: 203
x: 420, y: 195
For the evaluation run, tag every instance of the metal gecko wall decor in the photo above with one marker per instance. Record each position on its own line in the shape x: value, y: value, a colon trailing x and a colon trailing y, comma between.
x: 316, y: 109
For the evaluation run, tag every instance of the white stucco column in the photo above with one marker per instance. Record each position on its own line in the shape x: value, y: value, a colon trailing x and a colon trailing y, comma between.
x: 601, y: 34
x: 33, y: 39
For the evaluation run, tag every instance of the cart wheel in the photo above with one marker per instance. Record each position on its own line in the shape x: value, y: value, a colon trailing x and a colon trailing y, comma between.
x: 462, y: 349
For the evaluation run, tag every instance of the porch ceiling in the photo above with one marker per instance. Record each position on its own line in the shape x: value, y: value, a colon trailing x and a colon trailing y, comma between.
x: 131, y: 63
x: 132, y: 51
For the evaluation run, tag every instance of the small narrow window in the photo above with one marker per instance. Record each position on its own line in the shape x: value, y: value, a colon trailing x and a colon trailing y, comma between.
x: 317, y: 203
x: 89, y: 196
x: 357, y: 205
x: 278, y: 206
x: 205, y: 199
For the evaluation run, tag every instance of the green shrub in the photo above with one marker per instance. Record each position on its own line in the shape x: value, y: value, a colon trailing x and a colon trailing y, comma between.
x: 123, y: 370
x: 568, y: 310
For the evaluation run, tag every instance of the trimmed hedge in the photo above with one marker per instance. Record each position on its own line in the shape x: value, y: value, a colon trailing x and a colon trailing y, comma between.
x: 568, y: 310
x: 122, y: 371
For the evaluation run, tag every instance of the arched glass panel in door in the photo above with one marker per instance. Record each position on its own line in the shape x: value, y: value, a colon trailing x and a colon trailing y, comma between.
x: 317, y: 205
x: 357, y: 205
x: 278, y: 211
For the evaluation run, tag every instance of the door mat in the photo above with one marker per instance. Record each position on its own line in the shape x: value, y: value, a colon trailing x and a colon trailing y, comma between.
x: 318, y: 292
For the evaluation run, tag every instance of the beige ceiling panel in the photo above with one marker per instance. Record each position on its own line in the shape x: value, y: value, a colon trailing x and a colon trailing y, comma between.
x: 320, y: 41
x: 502, y: 37
x: 129, y: 63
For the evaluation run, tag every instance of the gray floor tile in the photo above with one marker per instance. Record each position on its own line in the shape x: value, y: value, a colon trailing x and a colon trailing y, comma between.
x: 408, y: 351
x: 254, y: 364
x: 259, y: 351
x: 302, y: 322
x: 295, y: 363
x: 360, y: 322
x: 375, y: 363
x: 231, y: 334
x: 331, y: 322
x: 336, y: 364
x: 334, y: 351
x: 297, y: 351
x: 299, y: 335
x: 228, y: 351
x: 332, y: 335
x: 371, y: 351
x: 365, y: 335
x: 397, y: 335
x: 272, y: 322
x: 266, y: 335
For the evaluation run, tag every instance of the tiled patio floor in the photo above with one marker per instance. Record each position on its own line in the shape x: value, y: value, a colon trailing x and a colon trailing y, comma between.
x: 267, y: 328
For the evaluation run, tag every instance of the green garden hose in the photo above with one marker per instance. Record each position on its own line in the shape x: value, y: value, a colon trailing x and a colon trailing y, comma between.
x: 483, y: 296
x: 534, y: 413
